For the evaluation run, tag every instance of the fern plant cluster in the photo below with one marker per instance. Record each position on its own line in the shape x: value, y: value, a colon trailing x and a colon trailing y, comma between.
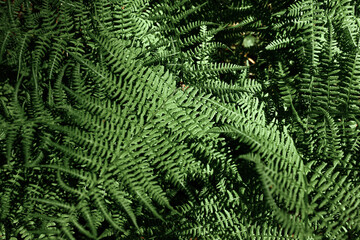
x: 143, y: 119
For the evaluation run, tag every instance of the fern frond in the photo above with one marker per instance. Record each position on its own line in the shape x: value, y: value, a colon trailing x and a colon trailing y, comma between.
x: 277, y: 44
x: 102, y: 207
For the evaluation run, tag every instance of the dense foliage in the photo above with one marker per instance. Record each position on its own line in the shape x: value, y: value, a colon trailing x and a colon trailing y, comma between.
x: 191, y: 119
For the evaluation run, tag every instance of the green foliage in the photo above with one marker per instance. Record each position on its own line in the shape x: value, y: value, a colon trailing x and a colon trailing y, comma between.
x: 145, y: 119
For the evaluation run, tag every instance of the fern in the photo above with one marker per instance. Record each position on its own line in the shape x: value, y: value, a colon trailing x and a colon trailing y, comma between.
x: 145, y: 119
